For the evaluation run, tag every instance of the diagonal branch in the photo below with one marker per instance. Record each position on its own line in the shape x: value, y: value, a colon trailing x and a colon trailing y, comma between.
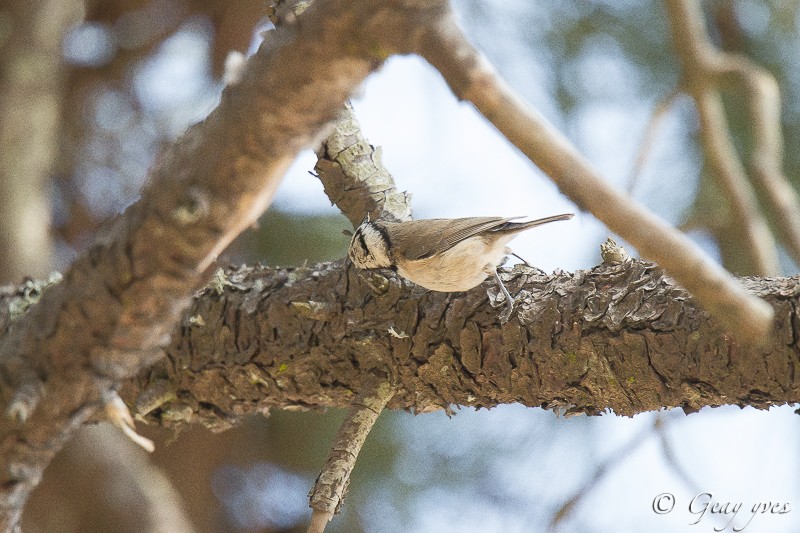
x: 118, y: 303
x: 606, y: 466
x: 707, y: 70
x: 729, y: 173
x: 354, y: 177
x: 328, y: 494
x: 356, y: 181
x: 349, y: 167
x: 646, y: 144
x: 766, y: 160
x: 472, y: 78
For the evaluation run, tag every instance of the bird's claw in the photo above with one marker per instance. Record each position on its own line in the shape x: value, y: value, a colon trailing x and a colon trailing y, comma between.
x: 505, y: 315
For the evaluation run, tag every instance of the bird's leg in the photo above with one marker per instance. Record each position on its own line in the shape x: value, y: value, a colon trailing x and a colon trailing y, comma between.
x: 510, y: 252
x: 505, y: 315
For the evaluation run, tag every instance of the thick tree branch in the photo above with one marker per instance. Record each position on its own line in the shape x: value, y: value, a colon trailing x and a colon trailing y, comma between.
x: 349, y: 167
x: 472, y: 78
x: 620, y: 337
x: 118, y: 302
x: 354, y: 179
x: 316, y: 337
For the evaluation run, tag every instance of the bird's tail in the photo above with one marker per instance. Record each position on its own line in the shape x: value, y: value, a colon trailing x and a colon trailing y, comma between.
x: 519, y: 226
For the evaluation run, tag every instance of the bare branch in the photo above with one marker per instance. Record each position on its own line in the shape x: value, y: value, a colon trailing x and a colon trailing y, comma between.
x: 472, y: 78
x: 657, y: 115
x: 323, y: 333
x: 354, y: 177
x: 701, y: 63
x: 329, y: 490
x: 766, y: 161
x: 706, y: 66
x: 729, y: 173
x: 356, y: 181
x: 603, y: 468
x: 350, y: 169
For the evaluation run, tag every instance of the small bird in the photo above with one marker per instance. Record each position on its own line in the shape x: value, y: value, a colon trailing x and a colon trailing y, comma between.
x: 441, y: 254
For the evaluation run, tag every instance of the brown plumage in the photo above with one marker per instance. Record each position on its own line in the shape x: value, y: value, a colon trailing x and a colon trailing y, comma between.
x: 441, y: 254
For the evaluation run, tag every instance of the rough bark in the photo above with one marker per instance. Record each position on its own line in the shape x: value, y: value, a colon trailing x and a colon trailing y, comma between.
x: 617, y: 337
x: 471, y: 77
x: 354, y: 177
x: 118, y: 302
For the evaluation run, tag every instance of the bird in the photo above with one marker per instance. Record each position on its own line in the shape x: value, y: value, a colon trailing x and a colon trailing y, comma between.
x: 441, y: 254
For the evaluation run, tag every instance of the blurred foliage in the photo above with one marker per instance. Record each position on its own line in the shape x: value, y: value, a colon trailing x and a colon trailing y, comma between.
x: 286, y: 239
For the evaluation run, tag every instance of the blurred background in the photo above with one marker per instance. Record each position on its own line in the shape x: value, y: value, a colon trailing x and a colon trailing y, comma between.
x: 90, y: 92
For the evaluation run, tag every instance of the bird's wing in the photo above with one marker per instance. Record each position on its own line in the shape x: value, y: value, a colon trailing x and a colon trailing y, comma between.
x: 425, y: 238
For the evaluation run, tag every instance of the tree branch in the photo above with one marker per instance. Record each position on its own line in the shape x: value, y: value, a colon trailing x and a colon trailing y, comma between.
x: 604, y: 467
x: 620, y: 337
x: 354, y: 177
x: 329, y: 490
x: 118, y: 303
x: 702, y: 65
x: 314, y: 337
x: 472, y: 78
x: 646, y: 144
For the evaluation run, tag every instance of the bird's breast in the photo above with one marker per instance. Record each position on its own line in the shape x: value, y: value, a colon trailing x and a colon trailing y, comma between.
x: 462, y: 267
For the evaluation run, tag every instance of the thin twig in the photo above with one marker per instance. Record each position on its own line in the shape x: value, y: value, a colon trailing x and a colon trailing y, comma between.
x: 472, y: 78
x: 604, y: 468
x: 672, y: 461
x: 669, y: 456
x: 657, y: 115
x: 118, y: 414
x: 329, y: 490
